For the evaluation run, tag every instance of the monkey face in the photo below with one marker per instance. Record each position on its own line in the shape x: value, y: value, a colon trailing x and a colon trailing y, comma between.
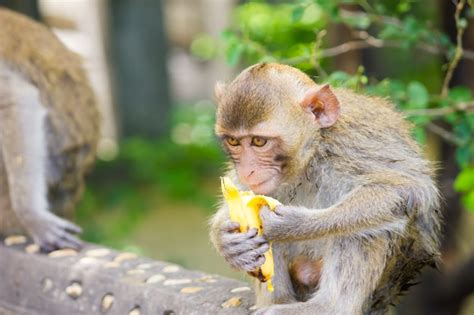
x: 268, y: 120
x: 257, y: 161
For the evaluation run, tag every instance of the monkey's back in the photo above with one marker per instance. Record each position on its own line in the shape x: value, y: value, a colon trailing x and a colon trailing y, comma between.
x: 72, y: 122
x: 380, y: 144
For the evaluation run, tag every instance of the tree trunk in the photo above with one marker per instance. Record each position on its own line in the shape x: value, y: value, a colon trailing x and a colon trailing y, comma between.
x: 138, y: 52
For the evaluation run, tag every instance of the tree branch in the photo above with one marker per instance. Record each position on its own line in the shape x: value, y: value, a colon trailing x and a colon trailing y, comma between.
x: 434, y: 112
x: 459, y: 50
x: 383, y: 19
x: 443, y: 133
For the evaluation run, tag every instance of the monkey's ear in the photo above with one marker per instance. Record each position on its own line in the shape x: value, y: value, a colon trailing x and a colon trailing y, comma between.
x: 219, y: 90
x: 323, y: 104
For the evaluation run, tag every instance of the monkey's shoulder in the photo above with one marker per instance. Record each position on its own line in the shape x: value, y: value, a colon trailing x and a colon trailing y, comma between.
x: 43, y: 60
x: 361, y: 105
x: 372, y: 118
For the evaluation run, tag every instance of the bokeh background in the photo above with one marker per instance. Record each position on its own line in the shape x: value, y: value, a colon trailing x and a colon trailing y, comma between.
x: 153, y: 65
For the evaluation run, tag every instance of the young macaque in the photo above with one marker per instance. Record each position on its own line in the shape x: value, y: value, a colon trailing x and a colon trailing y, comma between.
x: 359, y: 215
x: 49, y: 127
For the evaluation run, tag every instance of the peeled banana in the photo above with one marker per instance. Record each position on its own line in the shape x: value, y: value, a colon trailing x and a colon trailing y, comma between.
x: 244, y: 208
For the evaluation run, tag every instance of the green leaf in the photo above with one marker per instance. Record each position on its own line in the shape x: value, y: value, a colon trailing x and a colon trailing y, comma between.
x: 234, y: 53
x: 468, y: 201
x: 460, y: 94
x: 204, y: 47
x: 356, y: 21
x: 297, y: 13
x: 470, y: 12
x: 465, y: 180
x: 462, y: 23
x: 419, y: 134
x: 418, y: 96
x: 403, y: 6
x: 389, y: 31
x: 228, y: 35
x: 338, y: 78
x: 463, y: 155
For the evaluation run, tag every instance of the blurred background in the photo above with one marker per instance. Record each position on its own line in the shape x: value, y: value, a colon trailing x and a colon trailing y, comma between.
x: 153, y: 65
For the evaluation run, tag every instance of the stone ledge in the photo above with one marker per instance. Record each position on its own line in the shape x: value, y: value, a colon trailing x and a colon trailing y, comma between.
x: 98, y: 280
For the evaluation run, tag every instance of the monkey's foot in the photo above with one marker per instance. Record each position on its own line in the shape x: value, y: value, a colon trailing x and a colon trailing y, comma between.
x: 52, y: 232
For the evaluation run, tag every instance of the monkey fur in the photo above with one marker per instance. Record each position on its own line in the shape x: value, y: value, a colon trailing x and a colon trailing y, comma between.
x: 49, y: 128
x: 359, y: 215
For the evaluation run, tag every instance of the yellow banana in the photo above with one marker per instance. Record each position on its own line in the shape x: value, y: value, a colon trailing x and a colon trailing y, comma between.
x: 244, y: 208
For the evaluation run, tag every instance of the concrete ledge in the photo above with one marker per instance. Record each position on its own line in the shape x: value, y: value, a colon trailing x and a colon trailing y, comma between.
x: 98, y: 280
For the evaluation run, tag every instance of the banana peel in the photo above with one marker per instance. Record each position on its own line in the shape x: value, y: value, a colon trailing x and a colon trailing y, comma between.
x: 244, y: 208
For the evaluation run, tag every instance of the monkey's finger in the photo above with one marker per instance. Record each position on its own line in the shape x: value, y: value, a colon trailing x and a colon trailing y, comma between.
x: 255, y: 264
x: 236, y: 238
x: 259, y: 240
x: 71, y: 227
x: 246, y: 246
x: 69, y: 241
x: 230, y: 226
x: 45, y: 247
x: 262, y: 249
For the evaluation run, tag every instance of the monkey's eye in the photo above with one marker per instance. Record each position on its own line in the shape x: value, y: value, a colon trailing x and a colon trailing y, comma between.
x: 232, y: 141
x: 259, y: 142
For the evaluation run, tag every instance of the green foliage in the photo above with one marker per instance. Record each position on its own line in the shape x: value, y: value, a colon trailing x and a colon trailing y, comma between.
x: 294, y: 33
x: 465, y: 184
x: 204, y: 47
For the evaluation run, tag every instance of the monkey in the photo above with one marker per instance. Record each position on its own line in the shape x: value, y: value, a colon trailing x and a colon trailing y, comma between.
x: 49, y: 128
x: 359, y: 214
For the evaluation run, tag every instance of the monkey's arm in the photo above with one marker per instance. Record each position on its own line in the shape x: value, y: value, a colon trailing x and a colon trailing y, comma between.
x: 24, y: 151
x: 367, y: 209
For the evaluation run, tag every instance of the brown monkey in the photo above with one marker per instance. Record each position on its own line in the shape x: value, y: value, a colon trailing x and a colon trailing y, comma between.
x: 359, y: 214
x: 48, y: 132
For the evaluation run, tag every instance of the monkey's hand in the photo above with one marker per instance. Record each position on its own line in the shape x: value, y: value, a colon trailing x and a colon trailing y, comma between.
x: 284, y: 222
x: 243, y: 251
x: 51, y: 232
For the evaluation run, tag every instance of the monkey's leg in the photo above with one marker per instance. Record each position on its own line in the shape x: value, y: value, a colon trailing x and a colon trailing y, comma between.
x: 283, y: 290
x: 352, y: 268
x: 24, y: 150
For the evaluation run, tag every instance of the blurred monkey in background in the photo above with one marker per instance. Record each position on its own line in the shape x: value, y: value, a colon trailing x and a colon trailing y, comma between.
x: 49, y: 127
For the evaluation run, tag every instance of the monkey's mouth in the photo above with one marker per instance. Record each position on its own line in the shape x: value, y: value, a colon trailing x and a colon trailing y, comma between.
x: 264, y: 187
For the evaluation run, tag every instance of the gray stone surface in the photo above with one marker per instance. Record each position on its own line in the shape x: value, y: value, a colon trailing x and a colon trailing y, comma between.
x: 104, y: 281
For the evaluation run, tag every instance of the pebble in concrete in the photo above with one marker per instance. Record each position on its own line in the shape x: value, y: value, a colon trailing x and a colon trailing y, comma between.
x: 32, y: 249
x: 89, y: 261
x: 176, y: 281
x: 15, y: 240
x: 120, y: 258
x: 111, y: 264
x: 67, y: 252
x: 134, y: 272
x: 207, y: 279
x: 170, y: 269
x: 156, y: 278
x: 74, y: 290
x: 107, y: 302
x: 135, y: 311
x: 232, y: 302
x: 47, y: 284
x: 98, y: 252
x: 240, y: 289
x: 144, y: 266
x: 191, y: 289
